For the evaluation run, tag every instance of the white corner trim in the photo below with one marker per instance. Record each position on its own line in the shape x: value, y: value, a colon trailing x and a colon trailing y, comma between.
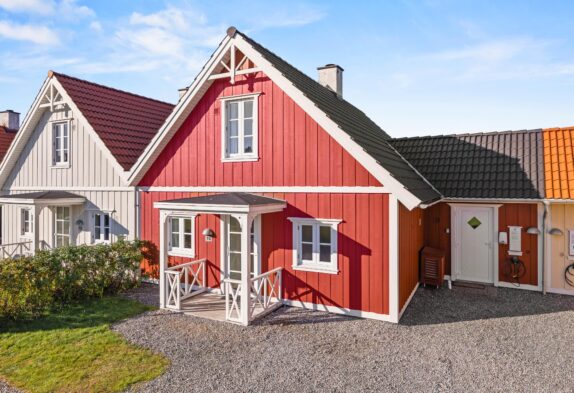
x: 504, y: 284
x: 339, y: 310
x: 394, y: 258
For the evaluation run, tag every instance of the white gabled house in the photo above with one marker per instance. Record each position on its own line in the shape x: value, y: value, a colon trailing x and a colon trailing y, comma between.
x: 64, y: 179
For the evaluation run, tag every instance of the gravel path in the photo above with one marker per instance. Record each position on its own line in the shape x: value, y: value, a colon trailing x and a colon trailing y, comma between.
x: 460, y: 340
x: 5, y: 388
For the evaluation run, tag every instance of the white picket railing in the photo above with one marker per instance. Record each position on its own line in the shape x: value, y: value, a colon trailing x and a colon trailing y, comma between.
x: 184, y: 281
x: 232, y: 299
x: 266, y: 293
x: 15, y: 250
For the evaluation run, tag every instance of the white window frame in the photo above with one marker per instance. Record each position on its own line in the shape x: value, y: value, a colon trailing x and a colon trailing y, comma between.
x: 331, y: 267
x: 181, y: 251
x: 23, y: 233
x: 56, y: 220
x: 101, y: 239
x: 55, y: 126
x: 253, y: 156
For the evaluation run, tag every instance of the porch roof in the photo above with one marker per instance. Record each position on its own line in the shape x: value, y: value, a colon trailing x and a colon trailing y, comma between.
x: 233, y: 202
x: 52, y: 198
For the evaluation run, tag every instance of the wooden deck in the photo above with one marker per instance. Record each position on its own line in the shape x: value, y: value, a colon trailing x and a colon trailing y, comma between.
x: 209, y: 306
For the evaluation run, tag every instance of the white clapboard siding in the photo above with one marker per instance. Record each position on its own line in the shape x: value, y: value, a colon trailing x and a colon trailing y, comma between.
x: 90, y: 174
x: 89, y: 166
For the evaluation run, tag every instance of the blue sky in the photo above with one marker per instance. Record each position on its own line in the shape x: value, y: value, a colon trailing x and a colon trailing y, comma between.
x: 415, y: 67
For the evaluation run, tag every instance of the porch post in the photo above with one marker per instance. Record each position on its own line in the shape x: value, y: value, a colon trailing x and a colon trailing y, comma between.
x: 245, y: 220
x: 162, y: 256
x: 34, y: 228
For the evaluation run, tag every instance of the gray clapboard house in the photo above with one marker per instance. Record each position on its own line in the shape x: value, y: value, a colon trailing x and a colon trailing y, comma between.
x: 63, y: 180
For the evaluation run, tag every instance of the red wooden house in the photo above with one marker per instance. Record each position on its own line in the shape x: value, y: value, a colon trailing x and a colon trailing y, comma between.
x: 268, y: 187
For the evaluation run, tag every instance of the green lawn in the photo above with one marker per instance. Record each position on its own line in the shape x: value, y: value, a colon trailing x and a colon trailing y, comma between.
x: 74, y: 350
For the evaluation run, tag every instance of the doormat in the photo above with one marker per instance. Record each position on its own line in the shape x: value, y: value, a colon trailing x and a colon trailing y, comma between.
x: 468, y: 285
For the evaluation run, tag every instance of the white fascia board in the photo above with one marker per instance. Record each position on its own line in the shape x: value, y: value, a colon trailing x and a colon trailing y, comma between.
x: 178, y: 115
x: 26, y: 129
x: 43, y: 202
x: 273, y: 189
x: 107, y: 153
x: 381, y: 174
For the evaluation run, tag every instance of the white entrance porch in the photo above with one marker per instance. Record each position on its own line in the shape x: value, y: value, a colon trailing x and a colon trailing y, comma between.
x: 244, y: 294
x: 32, y: 235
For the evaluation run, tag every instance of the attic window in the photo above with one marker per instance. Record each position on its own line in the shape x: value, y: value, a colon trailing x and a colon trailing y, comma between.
x: 61, y: 144
x: 239, y: 136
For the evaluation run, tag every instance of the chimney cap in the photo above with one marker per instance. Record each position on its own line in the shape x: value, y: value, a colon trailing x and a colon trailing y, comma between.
x: 330, y: 65
x: 10, y: 110
x: 231, y: 31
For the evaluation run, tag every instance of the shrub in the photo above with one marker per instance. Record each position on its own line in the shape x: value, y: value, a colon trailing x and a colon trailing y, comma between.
x: 29, y: 286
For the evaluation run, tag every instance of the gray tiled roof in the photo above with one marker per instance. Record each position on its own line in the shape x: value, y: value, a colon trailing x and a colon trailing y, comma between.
x: 228, y: 199
x: 355, y: 123
x: 484, y: 165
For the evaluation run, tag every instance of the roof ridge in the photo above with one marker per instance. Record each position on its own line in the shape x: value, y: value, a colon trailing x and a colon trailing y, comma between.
x: 59, y: 74
x: 533, y: 130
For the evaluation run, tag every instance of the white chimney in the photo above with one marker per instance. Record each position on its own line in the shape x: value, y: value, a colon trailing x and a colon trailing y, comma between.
x: 182, y: 92
x: 10, y: 119
x: 331, y: 76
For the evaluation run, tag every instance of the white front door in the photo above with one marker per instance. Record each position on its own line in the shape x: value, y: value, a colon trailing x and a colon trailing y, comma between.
x: 474, y: 244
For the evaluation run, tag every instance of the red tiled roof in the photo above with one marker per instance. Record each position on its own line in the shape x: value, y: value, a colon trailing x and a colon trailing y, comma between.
x: 125, y: 122
x: 6, y: 138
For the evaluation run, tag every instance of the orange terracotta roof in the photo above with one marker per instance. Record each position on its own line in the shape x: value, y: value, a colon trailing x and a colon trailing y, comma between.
x: 559, y: 162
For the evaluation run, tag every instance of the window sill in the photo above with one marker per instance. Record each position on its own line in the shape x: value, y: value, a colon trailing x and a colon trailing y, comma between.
x: 316, y: 269
x: 181, y: 253
x: 60, y: 166
x: 239, y: 159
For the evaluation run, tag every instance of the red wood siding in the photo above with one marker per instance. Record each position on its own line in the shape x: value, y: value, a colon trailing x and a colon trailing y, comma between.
x: 437, y: 221
x: 411, y: 241
x: 362, y: 283
x: 524, y: 215
x: 293, y: 149
x: 437, y: 224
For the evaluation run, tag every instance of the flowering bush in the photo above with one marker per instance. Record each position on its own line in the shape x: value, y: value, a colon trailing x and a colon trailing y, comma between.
x: 31, y: 285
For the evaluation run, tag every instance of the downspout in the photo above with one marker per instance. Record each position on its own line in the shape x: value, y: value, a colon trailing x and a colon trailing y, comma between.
x: 545, y: 203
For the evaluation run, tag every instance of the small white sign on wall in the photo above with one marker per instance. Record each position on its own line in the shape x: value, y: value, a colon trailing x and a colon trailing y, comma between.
x: 571, y: 242
x: 515, y: 240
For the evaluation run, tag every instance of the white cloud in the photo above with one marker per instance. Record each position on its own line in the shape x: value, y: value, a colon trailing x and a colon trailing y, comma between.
x: 67, y: 9
x: 493, y: 51
x: 41, y: 35
x: 96, y: 26
x: 291, y: 16
x: 31, y: 6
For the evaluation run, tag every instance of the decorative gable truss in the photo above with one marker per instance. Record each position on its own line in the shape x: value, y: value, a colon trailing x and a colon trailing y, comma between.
x: 234, y: 63
x: 52, y: 98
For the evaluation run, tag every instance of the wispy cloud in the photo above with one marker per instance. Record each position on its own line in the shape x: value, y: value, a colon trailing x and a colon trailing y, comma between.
x: 67, y: 9
x: 493, y: 51
x: 41, y: 35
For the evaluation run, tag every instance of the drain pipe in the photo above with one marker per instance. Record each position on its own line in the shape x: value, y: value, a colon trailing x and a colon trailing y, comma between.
x: 546, y: 205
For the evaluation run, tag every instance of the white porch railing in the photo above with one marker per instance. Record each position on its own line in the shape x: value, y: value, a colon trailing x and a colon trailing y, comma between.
x: 15, y: 250
x: 193, y: 283
x: 266, y: 292
x: 265, y: 295
x: 233, y: 299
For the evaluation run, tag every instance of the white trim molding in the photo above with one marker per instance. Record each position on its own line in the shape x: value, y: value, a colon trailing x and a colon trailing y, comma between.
x: 394, y: 258
x: 273, y: 189
x: 339, y: 310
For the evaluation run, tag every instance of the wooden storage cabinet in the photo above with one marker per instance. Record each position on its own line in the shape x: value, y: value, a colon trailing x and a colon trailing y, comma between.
x: 432, y: 266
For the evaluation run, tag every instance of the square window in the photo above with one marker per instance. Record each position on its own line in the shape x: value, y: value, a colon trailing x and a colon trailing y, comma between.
x: 315, y: 244
x: 181, y: 235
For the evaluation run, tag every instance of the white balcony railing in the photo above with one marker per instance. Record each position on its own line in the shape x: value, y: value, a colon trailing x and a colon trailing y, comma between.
x: 266, y: 293
x: 184, y: 281
x: 16, y: 250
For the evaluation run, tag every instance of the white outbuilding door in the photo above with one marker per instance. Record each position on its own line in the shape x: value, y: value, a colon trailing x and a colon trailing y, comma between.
x: 474, y: 243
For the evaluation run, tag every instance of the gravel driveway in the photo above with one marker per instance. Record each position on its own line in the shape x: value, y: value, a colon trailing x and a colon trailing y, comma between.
x: 460, y: 340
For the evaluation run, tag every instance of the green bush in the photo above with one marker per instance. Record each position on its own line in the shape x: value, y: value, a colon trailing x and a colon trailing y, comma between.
x: 29, y: 286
